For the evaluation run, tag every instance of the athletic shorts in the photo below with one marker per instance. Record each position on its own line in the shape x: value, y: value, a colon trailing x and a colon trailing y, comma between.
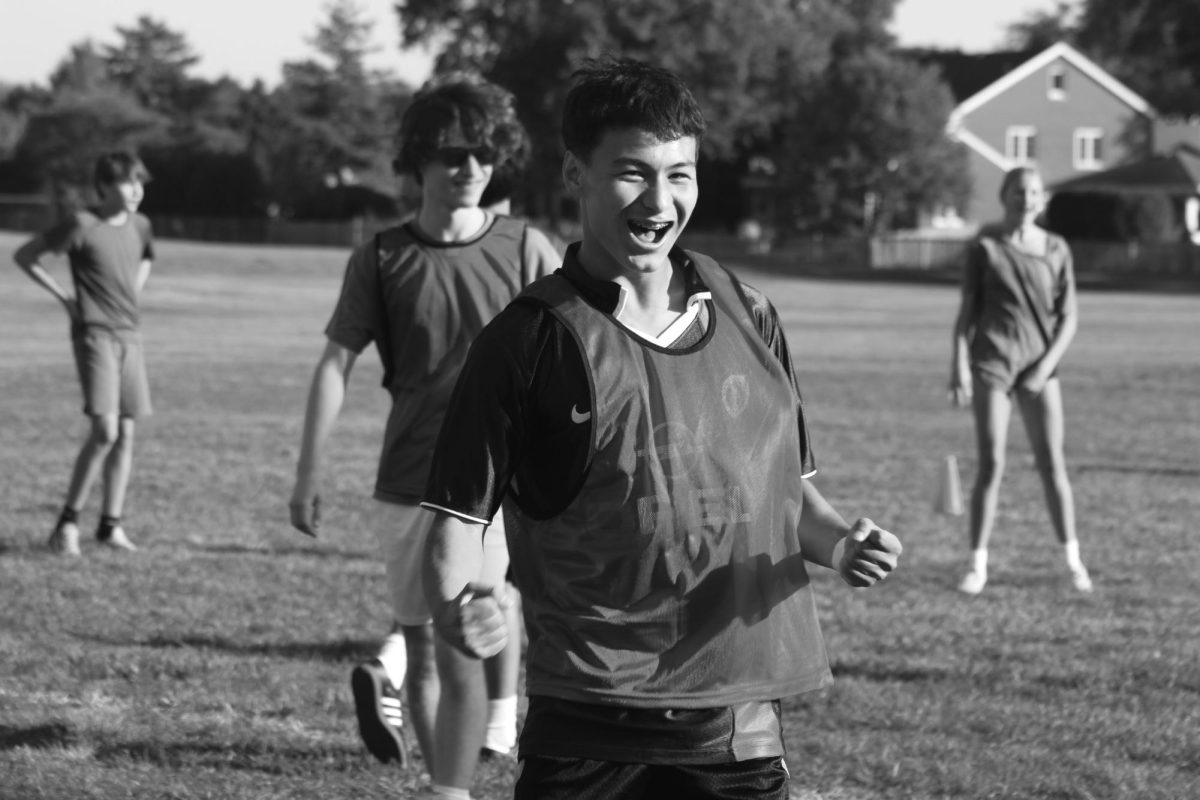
x: 402, y: 530
x: 112, y: 372
x: 548, y: 778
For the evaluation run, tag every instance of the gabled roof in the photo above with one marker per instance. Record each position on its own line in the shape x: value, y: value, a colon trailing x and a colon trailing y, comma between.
x: 1049, y: 55
x: 1177, y: 173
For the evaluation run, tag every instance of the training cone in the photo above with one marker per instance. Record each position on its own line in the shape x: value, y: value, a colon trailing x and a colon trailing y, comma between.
x: 949, y: 493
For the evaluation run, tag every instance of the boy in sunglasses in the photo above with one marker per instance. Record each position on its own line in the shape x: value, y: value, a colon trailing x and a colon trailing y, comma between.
x: 421, y: 292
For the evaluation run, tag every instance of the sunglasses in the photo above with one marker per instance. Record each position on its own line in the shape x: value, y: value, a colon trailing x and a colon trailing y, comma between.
x: 455, y: 157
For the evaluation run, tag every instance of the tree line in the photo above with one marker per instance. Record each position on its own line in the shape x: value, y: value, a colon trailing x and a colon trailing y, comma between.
x: 315, y: 147
x: 818, y: 122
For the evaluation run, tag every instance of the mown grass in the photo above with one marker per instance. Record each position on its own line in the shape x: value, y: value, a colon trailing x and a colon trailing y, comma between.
x: 214, y: 663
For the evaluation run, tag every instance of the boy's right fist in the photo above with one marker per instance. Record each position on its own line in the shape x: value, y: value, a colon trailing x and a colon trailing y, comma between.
x: 474, y: 621
x: 870, y: 554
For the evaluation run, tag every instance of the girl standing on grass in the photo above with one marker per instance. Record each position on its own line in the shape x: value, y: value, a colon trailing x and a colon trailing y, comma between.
x: 1017, y: 318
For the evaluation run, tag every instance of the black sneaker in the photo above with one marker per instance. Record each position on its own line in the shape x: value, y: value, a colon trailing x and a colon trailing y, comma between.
x: 377, y: 706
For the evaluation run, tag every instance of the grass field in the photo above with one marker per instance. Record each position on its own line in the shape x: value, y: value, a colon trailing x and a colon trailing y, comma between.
x: 214, y: 662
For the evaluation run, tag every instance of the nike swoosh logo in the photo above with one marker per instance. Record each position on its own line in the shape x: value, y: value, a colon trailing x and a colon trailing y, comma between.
x: 579, y: 417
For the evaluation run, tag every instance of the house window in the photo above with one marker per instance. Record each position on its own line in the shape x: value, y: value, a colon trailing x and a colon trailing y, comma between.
x: 1020, y: 144
x: 1088, y: 148
x: 1056, y: 83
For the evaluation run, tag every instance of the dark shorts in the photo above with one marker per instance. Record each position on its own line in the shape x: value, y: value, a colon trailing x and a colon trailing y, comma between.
x: 548, y: 778
x: 112, y: 372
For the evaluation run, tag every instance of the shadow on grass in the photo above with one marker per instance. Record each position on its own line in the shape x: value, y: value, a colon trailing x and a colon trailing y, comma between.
x: 338, y: 651
x: 266, y: 550
x: 884, y: 673
x: 38, y: 737
x: 258, y: 756
x: 1142, y: 469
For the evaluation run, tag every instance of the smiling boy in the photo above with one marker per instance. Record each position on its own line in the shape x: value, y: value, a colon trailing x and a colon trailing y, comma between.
x: 641, y: 408
x: 110, y: 249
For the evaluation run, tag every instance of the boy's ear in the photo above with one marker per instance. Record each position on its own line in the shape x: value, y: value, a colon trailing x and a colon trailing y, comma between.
x: 572, y: 173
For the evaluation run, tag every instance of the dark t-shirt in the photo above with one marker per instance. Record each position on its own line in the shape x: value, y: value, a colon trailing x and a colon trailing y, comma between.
x: 105, y: 260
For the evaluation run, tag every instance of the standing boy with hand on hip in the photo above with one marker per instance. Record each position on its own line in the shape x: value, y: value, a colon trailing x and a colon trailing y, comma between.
x: 110, y: 249
x: 422, y: 291
x: 641, y: 407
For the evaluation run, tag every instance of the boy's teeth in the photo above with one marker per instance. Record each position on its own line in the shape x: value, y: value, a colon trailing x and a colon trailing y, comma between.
x: 648, y: 232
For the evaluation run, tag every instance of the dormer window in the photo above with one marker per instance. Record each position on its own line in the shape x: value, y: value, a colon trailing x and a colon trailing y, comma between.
x: 1056, y: 82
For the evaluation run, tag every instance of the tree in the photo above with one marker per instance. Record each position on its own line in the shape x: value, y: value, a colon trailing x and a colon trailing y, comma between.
x: 63, y: 141
x: 83, y: 70
x: 807, y: 85
x: 872, y: 154
x: 744, y: 61
x: 1043, y: 28
x: 329, y: 121
x: 17, y: 105
x: 151, y: 63
x: 1152, y: 45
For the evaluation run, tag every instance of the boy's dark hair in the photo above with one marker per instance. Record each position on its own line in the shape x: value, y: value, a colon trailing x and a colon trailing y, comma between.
x: 461, y: 105
x: 117, y: 167
x: 614, y: 92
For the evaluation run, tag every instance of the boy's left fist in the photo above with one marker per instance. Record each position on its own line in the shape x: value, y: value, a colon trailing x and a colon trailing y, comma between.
x: 870, y: 554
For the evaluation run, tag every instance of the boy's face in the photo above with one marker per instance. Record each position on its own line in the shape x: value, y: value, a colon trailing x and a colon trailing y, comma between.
x: 636, y: 194
x: 456, y: 176
x: 124, y: 195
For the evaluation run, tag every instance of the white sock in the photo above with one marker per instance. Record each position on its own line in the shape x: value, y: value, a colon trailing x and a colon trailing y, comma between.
x: 501, y: 733
x: 448, y: 792
x: 394, y: 657
x: 979, y: 559
x: 1071, y: 549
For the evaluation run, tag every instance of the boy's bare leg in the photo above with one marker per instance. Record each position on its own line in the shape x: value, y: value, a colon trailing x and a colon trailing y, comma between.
x: 422, y: 687
x: 461, y: 714
x: 503, y: 674
x: 65, y: 536
x: 117, y: 467
x: 100, y: 440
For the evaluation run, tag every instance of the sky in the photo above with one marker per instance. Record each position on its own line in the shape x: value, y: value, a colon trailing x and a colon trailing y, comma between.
x: 249, y: 40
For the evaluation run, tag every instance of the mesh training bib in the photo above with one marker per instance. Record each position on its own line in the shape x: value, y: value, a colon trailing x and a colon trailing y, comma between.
x: 674, y: 578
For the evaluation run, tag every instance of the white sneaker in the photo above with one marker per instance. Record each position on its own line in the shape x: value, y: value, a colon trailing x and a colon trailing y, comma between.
x: 118, y: 540
x: 1080, y: 579
x: 65, y: 539
x: 973, y: 582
